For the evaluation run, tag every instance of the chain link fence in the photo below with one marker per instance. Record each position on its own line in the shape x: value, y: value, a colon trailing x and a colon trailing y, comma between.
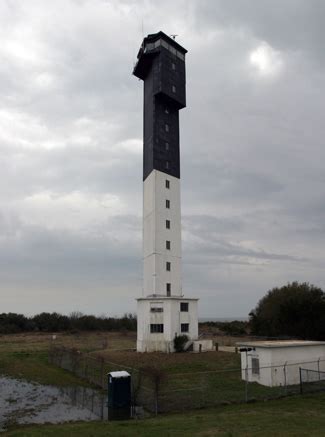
x: 311, y: 380
x: 158, y: 391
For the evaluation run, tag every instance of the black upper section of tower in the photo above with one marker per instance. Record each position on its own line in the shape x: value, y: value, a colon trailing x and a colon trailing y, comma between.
x: 161, y: 65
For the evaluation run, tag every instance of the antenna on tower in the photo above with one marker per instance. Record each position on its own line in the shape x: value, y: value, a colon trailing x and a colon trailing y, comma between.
x: 174, y: 36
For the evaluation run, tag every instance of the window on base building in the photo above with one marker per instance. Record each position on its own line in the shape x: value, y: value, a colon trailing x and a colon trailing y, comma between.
x: 167, y: 224
x: 167, y: 184
x: 184, y: 307
x: 167, y: 203
x: 173, y: 66
x: 185, y: 327
x: 156, y: 308
x: 168, y: 265
x: 156, y: 328
x: 255, y: 366
x: 168, y: 245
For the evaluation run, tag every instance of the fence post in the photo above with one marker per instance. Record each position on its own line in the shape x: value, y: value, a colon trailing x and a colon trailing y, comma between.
x: 285, y: 378
x: 246, y: 383
x: 318, y: 368
x: 102, y: 381
x: 103, y: 400
x: 300, y: 380
x: 86, y: 368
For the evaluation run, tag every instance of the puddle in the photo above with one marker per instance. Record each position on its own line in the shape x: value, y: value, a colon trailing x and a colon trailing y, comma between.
x: 24, y: 402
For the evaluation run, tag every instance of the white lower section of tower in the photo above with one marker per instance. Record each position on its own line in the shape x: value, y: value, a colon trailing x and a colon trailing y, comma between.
x: 163, y: 311
x: 161, y: 235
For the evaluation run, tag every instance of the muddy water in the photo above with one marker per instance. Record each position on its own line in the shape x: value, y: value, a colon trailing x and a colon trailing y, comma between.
x: 25, y: 402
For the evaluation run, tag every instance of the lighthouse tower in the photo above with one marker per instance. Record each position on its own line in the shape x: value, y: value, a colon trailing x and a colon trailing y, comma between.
x: 163, y: 311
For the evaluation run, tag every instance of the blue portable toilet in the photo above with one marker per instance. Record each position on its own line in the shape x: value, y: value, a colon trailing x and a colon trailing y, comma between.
x: 119, y: 395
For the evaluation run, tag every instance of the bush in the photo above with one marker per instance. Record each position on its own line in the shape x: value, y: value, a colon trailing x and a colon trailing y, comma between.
x: 294, y: 310
x: 179, y: 342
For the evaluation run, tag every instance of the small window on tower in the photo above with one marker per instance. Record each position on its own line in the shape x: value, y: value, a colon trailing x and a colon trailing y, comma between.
x: 167, y: 224
x: 168, y: 266
x: 166, y: 110
x: 167, y: 245
x: 167, y: 203
x: 167, y: 184
x: 174, y: 89
x: 167, y: 165
x: 185, y: 327
x: 166, y: 127
x: 168, y: 287
x: 173, y: 66
x: 166, y: 146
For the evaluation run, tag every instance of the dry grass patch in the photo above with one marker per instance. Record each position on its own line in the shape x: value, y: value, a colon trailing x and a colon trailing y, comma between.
x: 174, y: 363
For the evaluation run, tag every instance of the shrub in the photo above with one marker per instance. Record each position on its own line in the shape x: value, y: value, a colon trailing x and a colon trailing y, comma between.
x: 179, y: 342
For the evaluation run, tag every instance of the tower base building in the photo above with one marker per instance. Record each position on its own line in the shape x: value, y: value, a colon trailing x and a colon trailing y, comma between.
x: 163, y: 311
x: 161, y: 318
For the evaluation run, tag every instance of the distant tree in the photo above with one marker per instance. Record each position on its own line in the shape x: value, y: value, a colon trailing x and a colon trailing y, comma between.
x: 234, y: 327
x: 51, y: 322
x: 75, y: 322
x: 294, y: 310
x: 12, y: 323
x: 88, y: 323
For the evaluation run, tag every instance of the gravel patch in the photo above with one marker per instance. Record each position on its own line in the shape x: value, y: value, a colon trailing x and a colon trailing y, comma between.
x: 24, y: 402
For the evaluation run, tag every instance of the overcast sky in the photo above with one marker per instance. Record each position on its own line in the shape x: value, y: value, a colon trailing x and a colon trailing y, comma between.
x: 252, y: 151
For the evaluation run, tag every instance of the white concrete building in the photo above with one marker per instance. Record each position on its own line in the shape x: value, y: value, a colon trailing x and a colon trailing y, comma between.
x: 276, y: 363
x: 163, y: 311
x: 160, y: 318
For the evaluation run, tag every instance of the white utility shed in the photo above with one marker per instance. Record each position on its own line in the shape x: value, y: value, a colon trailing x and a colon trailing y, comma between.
x: 276, y: 363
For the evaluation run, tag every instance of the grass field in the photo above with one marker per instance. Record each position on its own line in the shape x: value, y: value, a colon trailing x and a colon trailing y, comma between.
x: 296, y: 416
x: 193, y: 380
x: 26, y: 355
x: 174, y: 363
x: 86, y: 341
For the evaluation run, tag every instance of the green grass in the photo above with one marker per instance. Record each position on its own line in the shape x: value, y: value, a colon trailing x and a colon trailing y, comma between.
x: 295, y: 416
x: 174, y: 363
x: 34, y: 366
x: 25, y: 356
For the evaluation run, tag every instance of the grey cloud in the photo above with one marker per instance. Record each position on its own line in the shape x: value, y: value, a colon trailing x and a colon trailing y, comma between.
x: 252, y: 152
x: 294, y: 25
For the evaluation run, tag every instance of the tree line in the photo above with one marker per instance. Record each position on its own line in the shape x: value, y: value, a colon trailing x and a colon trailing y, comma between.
x: 293, y: 310
x: 11, y: 323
